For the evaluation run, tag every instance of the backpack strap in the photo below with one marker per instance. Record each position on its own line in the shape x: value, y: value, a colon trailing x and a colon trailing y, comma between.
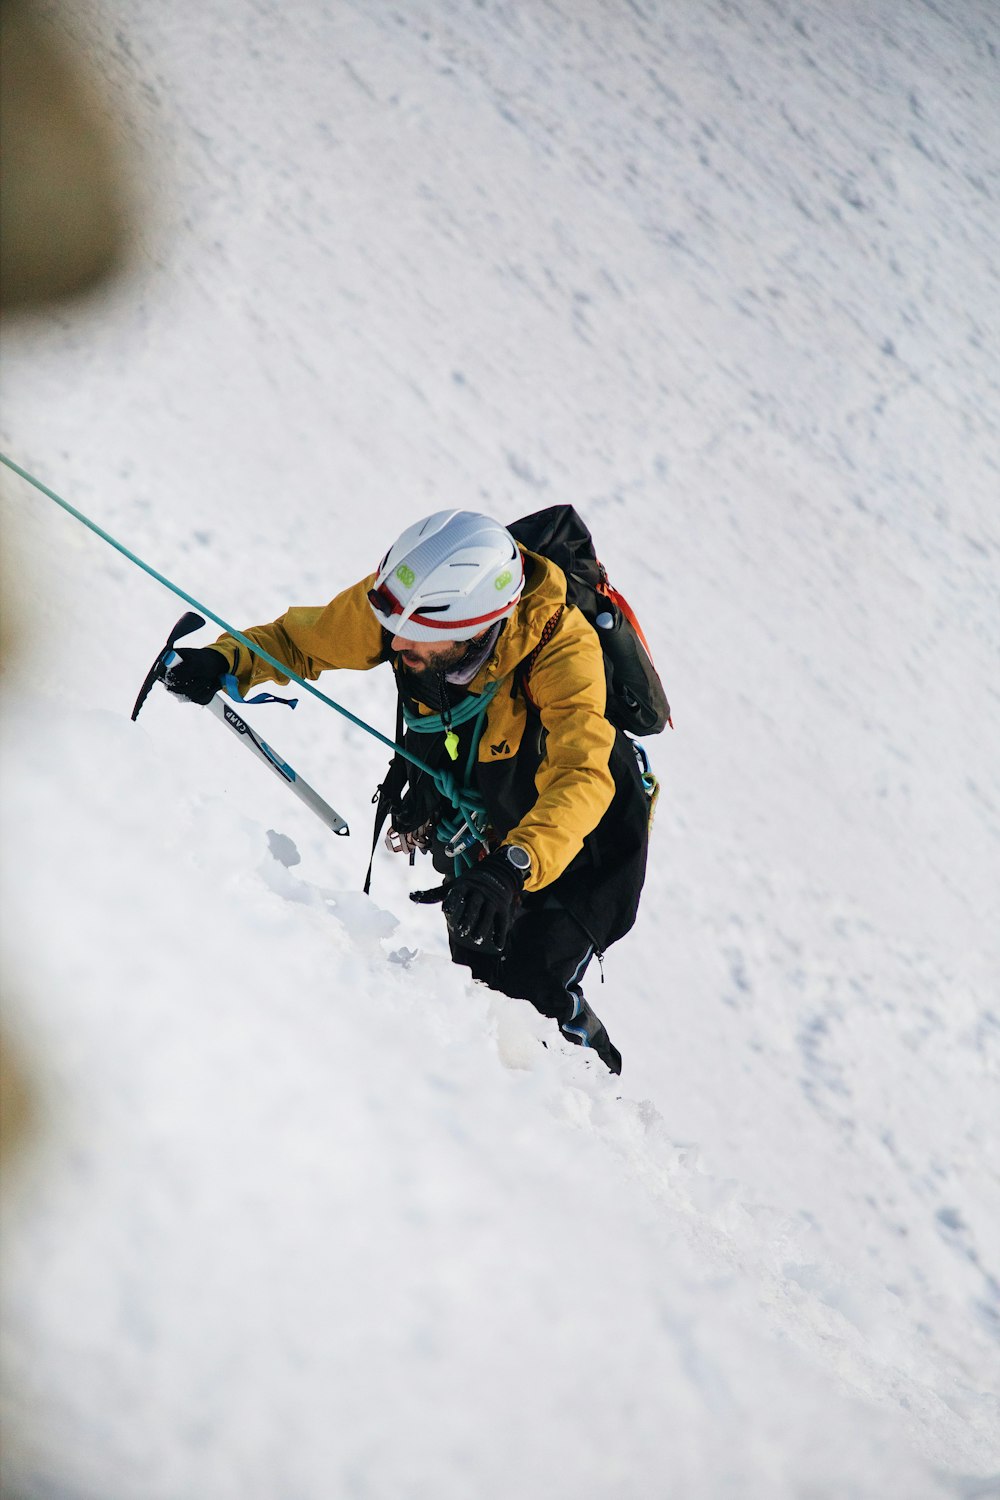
x: 529, y: 661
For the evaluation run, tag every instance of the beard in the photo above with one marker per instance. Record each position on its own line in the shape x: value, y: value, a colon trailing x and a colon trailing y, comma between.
x: 442, y: 659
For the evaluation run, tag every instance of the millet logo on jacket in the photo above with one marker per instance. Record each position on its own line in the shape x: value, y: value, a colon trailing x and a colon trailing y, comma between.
x: 502, y: 749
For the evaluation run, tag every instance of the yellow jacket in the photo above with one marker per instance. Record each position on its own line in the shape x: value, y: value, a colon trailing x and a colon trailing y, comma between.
x: 573, y: 779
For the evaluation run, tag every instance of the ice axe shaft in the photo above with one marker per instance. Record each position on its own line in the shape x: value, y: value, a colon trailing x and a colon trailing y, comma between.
x: 278, y: 765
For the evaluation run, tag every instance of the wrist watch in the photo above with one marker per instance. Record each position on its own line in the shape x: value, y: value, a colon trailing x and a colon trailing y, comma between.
x: 518, y: 857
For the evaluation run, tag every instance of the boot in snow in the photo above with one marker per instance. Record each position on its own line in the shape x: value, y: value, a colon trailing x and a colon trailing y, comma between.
x: 586, y: 1030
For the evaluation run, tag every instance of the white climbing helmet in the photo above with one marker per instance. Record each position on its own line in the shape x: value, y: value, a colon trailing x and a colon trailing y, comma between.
x: 448, y: 578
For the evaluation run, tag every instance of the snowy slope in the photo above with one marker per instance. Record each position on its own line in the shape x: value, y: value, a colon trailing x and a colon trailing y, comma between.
x: 308, y: 1215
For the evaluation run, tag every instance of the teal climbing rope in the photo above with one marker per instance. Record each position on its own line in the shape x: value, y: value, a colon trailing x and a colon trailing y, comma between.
x: 462, y: 799
x: 468, y: 825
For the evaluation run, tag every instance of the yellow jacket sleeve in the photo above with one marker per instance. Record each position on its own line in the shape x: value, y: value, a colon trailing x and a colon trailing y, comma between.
x: 310, y: 640
x: 574, y: 781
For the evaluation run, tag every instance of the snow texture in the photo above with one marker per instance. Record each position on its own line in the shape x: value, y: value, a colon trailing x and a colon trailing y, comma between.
x: 304, y: 1213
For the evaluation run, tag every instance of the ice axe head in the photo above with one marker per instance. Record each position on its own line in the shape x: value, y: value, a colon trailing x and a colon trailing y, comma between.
x: 185, y: 625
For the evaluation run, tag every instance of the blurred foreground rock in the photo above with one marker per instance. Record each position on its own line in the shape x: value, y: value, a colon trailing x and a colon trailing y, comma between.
x: 62, y: 216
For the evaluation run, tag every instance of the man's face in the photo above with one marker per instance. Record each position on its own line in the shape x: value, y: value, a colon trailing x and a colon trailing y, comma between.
x: 429, y: 656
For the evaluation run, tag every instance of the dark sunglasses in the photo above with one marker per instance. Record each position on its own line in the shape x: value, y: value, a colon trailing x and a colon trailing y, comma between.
x: 381, y: 600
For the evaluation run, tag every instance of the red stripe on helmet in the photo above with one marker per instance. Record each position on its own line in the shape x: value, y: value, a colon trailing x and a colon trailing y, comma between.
x: 460, y: 624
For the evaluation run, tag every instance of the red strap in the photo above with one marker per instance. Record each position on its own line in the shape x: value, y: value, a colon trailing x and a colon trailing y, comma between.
x: 547, y: 632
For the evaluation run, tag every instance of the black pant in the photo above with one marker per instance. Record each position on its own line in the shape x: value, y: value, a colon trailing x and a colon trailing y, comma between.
x: 545, y: 959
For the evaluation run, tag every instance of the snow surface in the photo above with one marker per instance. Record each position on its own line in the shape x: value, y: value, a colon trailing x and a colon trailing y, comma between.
x: 304, y: 1213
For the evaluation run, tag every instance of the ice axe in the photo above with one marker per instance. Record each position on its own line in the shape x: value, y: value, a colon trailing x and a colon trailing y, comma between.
x: 232, y: 720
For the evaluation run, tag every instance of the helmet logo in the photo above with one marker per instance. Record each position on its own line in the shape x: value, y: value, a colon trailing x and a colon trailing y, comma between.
x: 502, y: 580
x: 405, y: 575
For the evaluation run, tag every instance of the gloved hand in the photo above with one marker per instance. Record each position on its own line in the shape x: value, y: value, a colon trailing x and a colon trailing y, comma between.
x: 479, y: 906
x: 198, y: 675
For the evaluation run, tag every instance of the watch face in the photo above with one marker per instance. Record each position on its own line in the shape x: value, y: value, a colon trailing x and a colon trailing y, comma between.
x: 518, y: 857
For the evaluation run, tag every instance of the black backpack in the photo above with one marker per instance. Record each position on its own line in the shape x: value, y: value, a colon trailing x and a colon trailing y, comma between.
x: 636, y: 700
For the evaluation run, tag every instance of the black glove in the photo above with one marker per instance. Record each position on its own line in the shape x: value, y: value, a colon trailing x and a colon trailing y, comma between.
x: 198, y: 675
x: 479, y: 906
